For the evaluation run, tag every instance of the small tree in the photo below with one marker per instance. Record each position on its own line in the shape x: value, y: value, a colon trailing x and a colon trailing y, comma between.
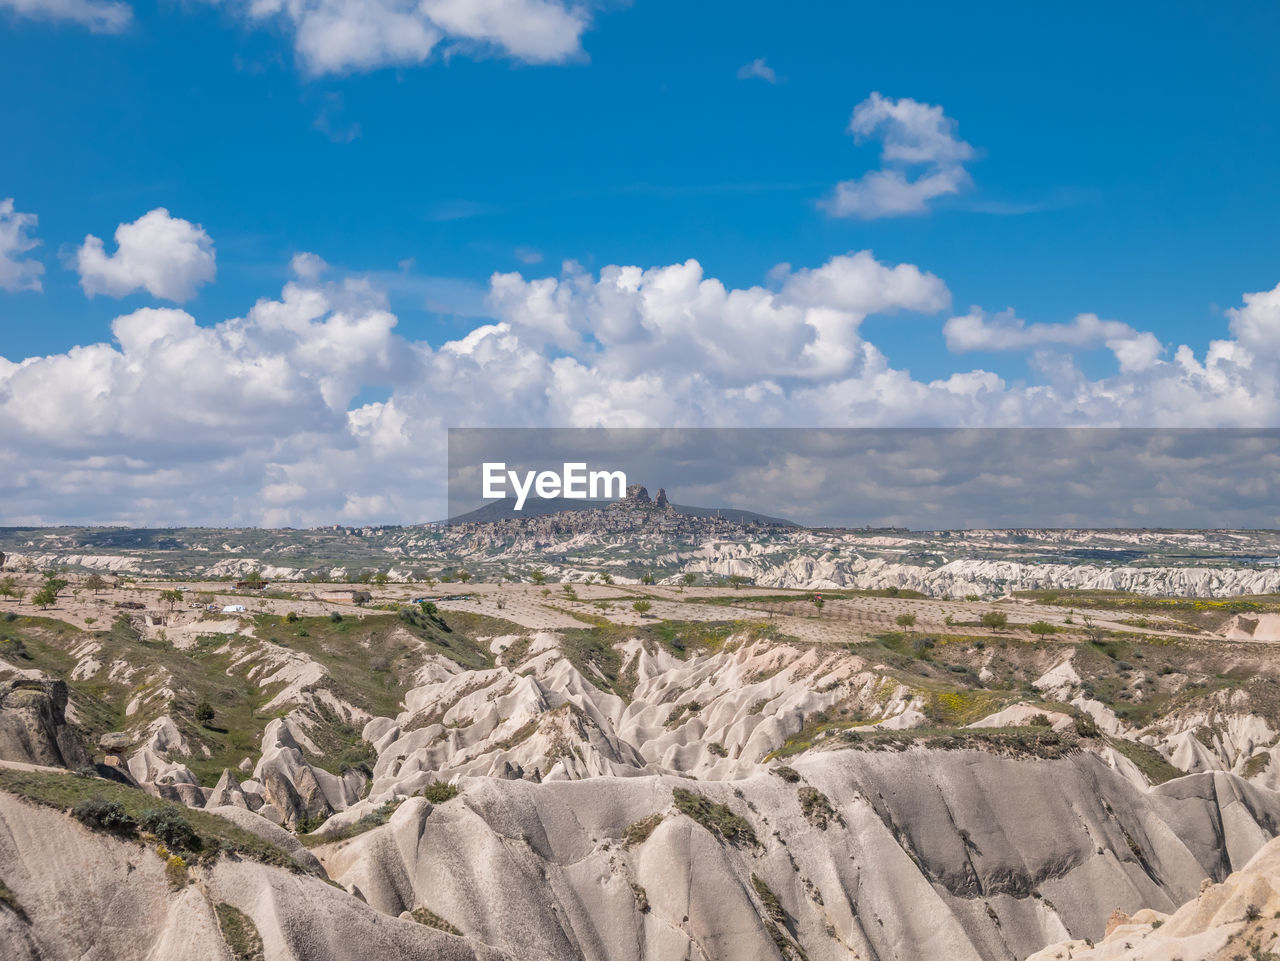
x: 606, y: 578
x: 95, y: 583
x: 171, y: 597
x: 906, y: 620
x: 642, y: 608
x: 204, y: 713
x: 9, y: 587
x: 538, y: 577
x: 689, y: 579
x: 381, y: 578
x: 995, y: 619
x: 464, y: 576
x: 45, y: 597
x: 253, y: 578
x: 646, y: 578
x: 737, y: 580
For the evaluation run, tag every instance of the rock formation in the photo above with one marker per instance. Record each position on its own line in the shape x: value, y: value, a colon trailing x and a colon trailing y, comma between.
x: 33, y: 725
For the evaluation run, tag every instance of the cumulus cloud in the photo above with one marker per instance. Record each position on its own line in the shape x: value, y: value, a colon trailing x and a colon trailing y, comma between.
x: 333, y: 36
x: 100, y: 16
x: 757, y: 69
x: 16, y: 272
x: 1135, y: 350
x: 263, y: 419
x: 921, y: 159
x: 167, y: 256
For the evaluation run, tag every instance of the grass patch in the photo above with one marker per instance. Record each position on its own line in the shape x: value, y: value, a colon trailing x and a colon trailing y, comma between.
x: 240, y: 933
x: 717, y: 818
x: 375, y: 818
x: 640, y: 831
x: 437, y: 792
x: 428, y: 917
x: 211, y: 835
x: 816, y: 807
x: 1148, y: 760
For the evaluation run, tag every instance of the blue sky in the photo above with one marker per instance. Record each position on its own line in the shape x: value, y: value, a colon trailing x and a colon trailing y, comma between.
x: 1120, y: 162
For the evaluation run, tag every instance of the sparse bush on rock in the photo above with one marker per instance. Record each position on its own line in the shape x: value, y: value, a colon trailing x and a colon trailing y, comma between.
x: 105, y: 815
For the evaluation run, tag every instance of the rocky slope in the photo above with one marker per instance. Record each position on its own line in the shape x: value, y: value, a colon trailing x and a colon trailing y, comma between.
x: 1237, y: 918
x: 726, y: 781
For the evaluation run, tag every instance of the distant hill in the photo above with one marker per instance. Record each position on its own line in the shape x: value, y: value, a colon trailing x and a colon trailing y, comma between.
x: 501, y: 510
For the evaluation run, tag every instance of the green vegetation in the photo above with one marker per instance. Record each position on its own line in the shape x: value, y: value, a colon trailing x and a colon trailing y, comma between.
x: 716, y: 818
x: 438, y: 792
x: 195, y: 830
x: 1148, y: 760
x: 424, y: 915
x: 240, y: 933
x: 816, y: 807
x: 772, y: 905
x: 639, y: 832
x: 373, y: 819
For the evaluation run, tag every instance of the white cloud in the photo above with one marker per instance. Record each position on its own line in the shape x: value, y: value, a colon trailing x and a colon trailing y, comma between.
x: 976, y: 330
x: 100, y: 16
x: 758, y: 69
x: 333, y: 36
x: 260, y: 419
x: 17, y: 273
x: 913, y: 135
x: 167, y: 256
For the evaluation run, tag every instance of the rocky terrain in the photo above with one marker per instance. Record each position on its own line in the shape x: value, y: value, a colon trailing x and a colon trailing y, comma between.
x: 566, y: 767
x: 643, y: 538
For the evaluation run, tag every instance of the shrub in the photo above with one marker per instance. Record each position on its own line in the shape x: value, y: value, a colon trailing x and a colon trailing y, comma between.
x: 1042, y: 627
x: 1040, y: 720
x: 173, y: 830
x: 716, y: 818
x: 204, y: 713
x: 639, y: 832
x: 437, y: 792
x: 788, y: 774
x: 1087, y: 726
x: 335, y: 617
x: 642, y: 607
x: 105, y: 815
x: 291, y: 617
x: 816, y: 807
